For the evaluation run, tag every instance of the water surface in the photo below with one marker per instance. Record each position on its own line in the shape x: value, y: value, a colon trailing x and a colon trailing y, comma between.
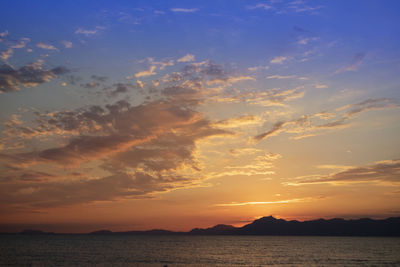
x: 130, y: 250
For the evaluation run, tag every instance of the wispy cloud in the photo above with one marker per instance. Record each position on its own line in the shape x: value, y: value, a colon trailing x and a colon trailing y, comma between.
x: 145, y: 73
x: 230, y: 80
x: 386, y: 172
x: 258, y: 68
x: 6, y: 54
x: 3, y: 35
x: 260, y: 165
x: 306, y: 40
x: 278, y: 60
x: 294, y: 200
x: 161, y: 64
x: 67, y: 44
x: 337, y: 119
x: 238, y: 121
x: 186, y: 58
x: 280, y: 77
x: 259, y: 6
x: 354, y: 65
x: 184, y: 10
x: 87, y: 32
x: 46, y: 46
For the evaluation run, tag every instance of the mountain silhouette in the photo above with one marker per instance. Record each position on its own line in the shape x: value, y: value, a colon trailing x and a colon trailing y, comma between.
x: 272, y: 226
x: 333, y: 227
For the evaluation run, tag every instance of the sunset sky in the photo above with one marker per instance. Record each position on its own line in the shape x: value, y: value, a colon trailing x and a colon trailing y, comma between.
x: 132, y: 115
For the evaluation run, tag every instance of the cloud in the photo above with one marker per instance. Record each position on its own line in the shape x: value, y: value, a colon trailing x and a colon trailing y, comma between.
x: 35, y: 195
x: 161, y: 64
x: 238, y: 121
x: 244, y: 151
x: 355, y: 64
x: 21, y: 43
x: 278, y: 60
x: 67, y: 44
x: 258, y: 68
x: 304, y: 127
x: 300, y: 6
x: 272, y: 97
x: 120, y: 88
x: 184, y: 10
x: 251, y: 203
x: 333, y: 166
x: 3, y: 35
x: 275, y: 130
x: 260, y: 5
x: 280, y: 77
x: 205, y: 68
x: 99, y: 78
x: 46, y: 46
x: 384, y: 172
x: 306, y: 40
x: 186, y: 58
x: 28, y: 76
x: 6, y: 54
x: 230, y: 80
x: 324, y: 115
x: 260, y: 165
x: 146, y: 73
x: 90, y: 85
x: 370, y: 104
x: 143, y: 150
x: 87, y: 32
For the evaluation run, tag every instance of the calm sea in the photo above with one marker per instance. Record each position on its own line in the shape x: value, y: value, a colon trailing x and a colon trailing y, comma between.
x: 128, y: 250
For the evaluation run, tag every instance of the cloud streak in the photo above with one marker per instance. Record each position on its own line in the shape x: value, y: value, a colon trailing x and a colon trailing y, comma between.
x: 304, y: 127
x: 184, y: 10
x: 354, y: 65
x: 383, y: 172
x: 252, y: 203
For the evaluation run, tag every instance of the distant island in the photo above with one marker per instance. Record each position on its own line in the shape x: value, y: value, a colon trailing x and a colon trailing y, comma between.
x: 272, y: 226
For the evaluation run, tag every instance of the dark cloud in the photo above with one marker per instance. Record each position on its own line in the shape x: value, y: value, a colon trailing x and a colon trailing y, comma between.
x: 275, y: 128
x: 371, y: 104
x: 300, y: 29
x: 355, y: 63
x: 121, y: 88
x: 28, y: 76
x: 205, y: 68
x: 99, y: 78
x: 387, y: 171
x: 90, y: 85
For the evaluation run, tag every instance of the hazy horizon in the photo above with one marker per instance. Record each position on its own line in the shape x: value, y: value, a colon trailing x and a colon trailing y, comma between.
x: 138, y: 115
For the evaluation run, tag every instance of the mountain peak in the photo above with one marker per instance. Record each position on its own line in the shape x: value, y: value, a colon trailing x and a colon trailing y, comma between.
x: 266, y: 219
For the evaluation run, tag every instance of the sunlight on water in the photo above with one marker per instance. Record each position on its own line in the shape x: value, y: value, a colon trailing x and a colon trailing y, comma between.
x: 84, y: 250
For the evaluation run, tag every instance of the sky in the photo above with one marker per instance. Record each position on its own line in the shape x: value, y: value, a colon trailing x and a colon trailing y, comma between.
x: 134, y: 115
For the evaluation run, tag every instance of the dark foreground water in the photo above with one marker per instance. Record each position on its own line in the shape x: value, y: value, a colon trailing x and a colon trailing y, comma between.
x: 128, y: 250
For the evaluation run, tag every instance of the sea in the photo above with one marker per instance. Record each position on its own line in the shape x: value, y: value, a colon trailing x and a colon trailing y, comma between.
x: 176, y: 250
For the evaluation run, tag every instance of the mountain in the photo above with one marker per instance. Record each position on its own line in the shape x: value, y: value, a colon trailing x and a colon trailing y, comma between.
x: 35, y: 232
x: 148, y: 232
x: 333, y: 227
x: 272, y: 226
x: 219, y: 229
